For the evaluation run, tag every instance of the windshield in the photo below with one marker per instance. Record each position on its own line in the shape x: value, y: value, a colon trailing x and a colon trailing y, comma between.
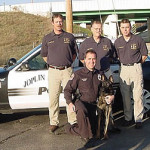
x: 24, y: 57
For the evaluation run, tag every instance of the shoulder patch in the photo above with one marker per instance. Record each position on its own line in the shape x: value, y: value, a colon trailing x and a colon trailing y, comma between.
x: 99, y: 77
x: 89, y: 49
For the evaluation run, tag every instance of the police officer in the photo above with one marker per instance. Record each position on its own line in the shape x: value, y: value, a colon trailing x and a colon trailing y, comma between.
x: 59, y: 51
x: 87, y: 80
x: 102, y: 45
x: 132, y: 52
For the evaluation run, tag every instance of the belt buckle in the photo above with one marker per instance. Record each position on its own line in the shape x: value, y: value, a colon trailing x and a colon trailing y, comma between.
x: 61, y: 68
x: 131, y: 64
x: 54, y: 67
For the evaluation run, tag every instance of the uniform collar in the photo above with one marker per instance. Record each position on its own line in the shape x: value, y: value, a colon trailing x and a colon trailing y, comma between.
x: 88, y: 71
x: 131, y: 38
x: 53, y: 33
x: 101, y: 39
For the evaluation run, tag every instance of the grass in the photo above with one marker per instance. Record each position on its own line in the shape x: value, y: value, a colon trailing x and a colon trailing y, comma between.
x: 20, y: 32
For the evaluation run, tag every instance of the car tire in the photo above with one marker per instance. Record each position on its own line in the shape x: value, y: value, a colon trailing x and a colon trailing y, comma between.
x: 146, y: 100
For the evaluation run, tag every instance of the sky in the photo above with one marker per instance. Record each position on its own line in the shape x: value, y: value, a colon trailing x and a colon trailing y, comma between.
x: 12, y: 2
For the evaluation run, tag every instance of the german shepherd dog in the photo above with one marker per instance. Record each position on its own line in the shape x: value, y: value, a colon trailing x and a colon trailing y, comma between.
x: 104, y: 107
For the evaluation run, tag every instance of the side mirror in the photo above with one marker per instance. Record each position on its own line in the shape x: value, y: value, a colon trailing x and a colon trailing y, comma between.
x: 11, y: 62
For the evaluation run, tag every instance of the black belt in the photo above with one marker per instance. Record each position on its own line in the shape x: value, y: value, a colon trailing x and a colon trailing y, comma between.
x: 92, y: 103
x: 132, y: 64
x: 59, y: 68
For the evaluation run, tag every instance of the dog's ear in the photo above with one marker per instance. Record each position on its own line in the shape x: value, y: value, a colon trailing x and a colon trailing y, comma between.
x: 103, y: 77
x: 111, y: 79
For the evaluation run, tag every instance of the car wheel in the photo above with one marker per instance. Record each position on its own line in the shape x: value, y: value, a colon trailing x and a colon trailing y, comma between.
x: 146, y: 100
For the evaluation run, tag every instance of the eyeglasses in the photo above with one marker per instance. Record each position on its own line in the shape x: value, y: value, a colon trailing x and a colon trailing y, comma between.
x: 97, y: 29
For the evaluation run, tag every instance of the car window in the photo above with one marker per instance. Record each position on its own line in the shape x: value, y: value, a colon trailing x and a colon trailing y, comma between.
x: 37, y: 63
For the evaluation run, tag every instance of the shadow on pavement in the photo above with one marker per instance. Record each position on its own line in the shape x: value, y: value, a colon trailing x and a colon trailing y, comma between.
x: 20, y: 115
x: 129, y: 138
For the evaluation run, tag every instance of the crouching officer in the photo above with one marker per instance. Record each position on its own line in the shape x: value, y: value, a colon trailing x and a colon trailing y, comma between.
x: 88, y: 81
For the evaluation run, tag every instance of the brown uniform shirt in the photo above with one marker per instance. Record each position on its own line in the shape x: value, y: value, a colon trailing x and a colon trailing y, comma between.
x: 88, y: 83
x: 104, y: 50
x: 131, y: 51
x: 59, y: 49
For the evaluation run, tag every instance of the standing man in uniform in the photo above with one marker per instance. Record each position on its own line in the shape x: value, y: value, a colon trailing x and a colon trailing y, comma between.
x: 102, y: 45
x: 88, y: 81
x: 59, y: 51
x: 132, y: 52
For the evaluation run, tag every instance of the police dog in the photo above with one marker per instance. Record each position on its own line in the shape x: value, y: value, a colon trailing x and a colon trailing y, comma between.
x: 104, y: 106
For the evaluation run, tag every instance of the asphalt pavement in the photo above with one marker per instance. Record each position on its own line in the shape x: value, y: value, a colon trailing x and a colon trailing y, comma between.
x: 30, y: 131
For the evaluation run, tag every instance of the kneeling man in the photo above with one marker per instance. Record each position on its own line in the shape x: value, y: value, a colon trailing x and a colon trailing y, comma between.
x: 87, y: 81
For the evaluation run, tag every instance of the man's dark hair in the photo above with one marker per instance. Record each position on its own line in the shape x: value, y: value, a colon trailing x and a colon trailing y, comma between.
x: 95, y: 22
x: 125, y: 21
x: 90, y: 51
x: 57, y: 15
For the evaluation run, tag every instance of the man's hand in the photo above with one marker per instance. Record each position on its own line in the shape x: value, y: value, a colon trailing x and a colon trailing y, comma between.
x: 143, y: 59
x: 45, y: 59
x: 82, y: 61
x: 71, y: 107
x: 109, y: 99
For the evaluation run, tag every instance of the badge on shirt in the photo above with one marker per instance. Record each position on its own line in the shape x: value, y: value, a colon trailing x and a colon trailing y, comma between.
x: 84, y: 79
x: 105, y: 48
x: 121, y: 47
x: 66, y: 40
x: 133, y: 46
x: 51, y: 42
x: 72, y: 76
x: 89, y: 49
x: 99, y: 77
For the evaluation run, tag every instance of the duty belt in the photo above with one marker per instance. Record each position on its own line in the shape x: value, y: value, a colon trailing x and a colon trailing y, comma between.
x: 59, y: 68
x: 92, y: 103
x: 132, y: 64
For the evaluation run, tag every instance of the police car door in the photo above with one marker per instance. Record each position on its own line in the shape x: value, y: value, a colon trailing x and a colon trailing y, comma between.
x: 28, y: 84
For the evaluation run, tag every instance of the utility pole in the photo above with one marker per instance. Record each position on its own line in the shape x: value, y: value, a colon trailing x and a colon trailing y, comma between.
x: 4, y: 6
x: 69, y: 20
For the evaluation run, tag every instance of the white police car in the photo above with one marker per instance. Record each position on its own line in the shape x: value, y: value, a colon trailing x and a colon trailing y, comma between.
x: 24, y: 83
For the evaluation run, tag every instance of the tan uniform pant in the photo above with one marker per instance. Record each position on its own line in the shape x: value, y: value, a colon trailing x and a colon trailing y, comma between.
x: 56, y: 79
x: 131, y: 82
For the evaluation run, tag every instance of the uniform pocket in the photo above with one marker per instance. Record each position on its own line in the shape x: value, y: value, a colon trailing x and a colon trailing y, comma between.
x: 139, y: 68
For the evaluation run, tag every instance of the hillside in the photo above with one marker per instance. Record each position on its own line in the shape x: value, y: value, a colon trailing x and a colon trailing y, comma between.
x: 20, y: 32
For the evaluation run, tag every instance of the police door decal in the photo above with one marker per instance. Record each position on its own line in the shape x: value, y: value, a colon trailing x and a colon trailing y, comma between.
x: 28, y: 89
